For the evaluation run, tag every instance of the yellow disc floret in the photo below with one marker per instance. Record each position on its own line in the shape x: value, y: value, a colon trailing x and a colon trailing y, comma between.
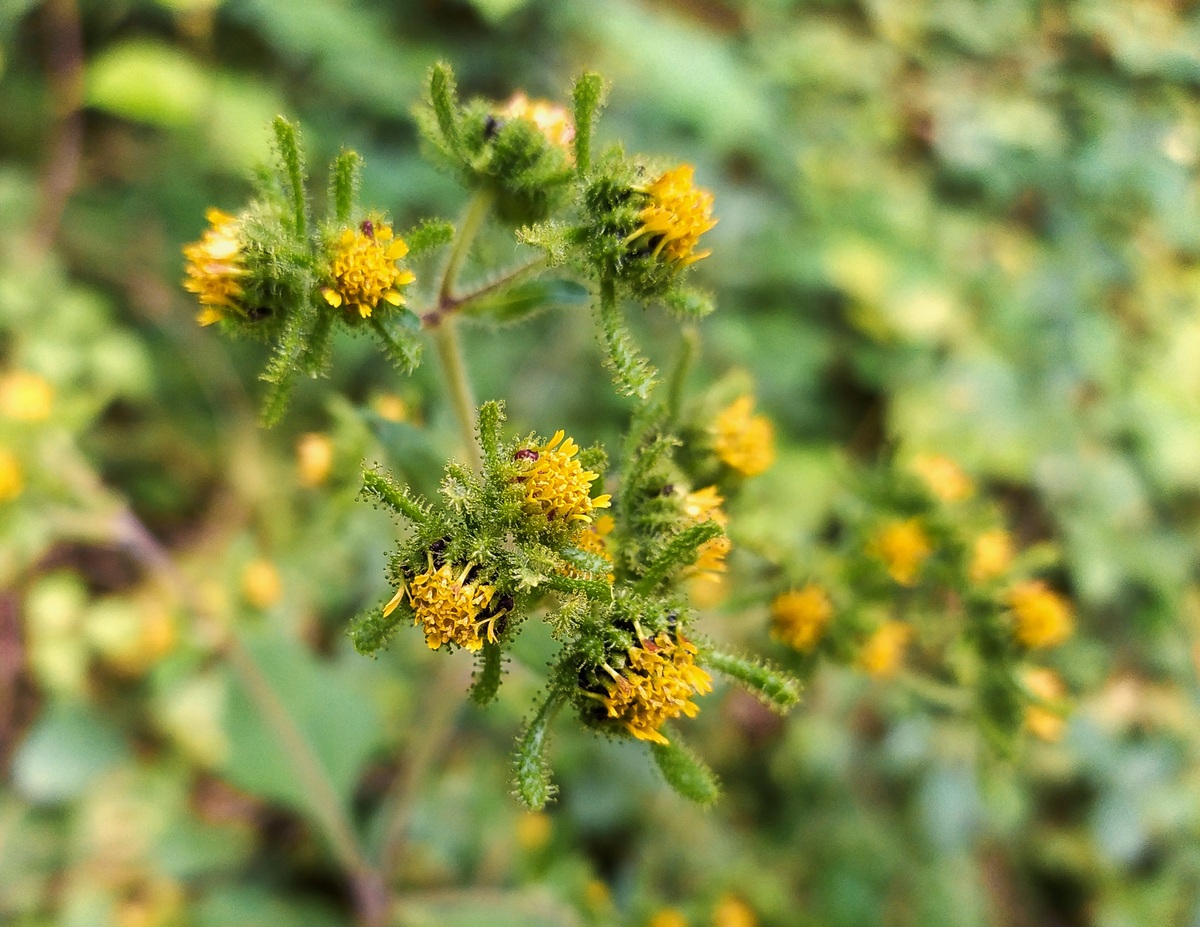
x: 556, y: 485
x: 903, y: 546
x: 799, y: 617
x: 448, y: 607
x: 658, y: 683
x: 552, y: 120
x: 742, y: 440
x: 1041, y: 617
x: 214, y: 267
x: 362, y: 268
x: 676, y: 214
x: 882, y: 653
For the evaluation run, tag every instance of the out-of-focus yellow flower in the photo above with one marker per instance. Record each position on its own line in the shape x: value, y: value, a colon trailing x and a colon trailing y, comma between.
x: 596, y: 895
x: 261, y: 583
x: 658, y: 682
x: 882, y: 654
x: 556, y: 485
x: 992, y: 554
x: 314, y: 458
x: 1042, y: 618
x: 903, y: 546
x: 1043, y: 720
x: 390, y: 407
x: 551, y: 119
x: 731, y: 911
x: 25, y: 396
x: 214, y: 267
x: 12, y: 480
x: 744, y: 441
x: 362, y: 268
x: 676, y: 214
x: 943, y: 476
x: 533, y: 830
x: 668, y: 917
x: 799, y: 617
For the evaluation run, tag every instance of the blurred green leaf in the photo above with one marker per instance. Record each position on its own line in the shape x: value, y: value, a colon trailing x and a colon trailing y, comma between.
x: 149, y: 81
x: 65, y: 752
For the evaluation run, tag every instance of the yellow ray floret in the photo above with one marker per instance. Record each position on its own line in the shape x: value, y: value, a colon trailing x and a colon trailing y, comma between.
x: 676, y: 213
x: 799, y: 617
x: 214, y: 266
x: 556, y: 485
x: 362, y: 269
x: 448, y: 607
x: 658, y: 683
x: 742, y: 440
x: 1044, y: 718
x: 552, y: 120
x: 902, y: 546
x: 1041, y: 617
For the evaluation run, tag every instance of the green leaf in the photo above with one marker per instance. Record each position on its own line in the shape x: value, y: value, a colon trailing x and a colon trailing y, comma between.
x: 67, y: 750
x: 588, y: 97
x: 496, y: 10
x: 148, y: 82
x: 632, y: 374
x: 430, y: 234
x: 291, y: 171
x: 685, y: 772
x: 523, y: 300
x: 531, y: 772
x: 331, y: 709
x: 679, y: 552
x: 443, y: 95
x: 488, y: 672
x: 775, y: 688
x: 345, y: 179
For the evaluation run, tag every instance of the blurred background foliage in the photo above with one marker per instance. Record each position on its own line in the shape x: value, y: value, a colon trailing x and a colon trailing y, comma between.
x: 945, y: 225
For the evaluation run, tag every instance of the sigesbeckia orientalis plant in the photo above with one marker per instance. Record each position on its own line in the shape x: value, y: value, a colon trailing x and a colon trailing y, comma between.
x: 610, y: 553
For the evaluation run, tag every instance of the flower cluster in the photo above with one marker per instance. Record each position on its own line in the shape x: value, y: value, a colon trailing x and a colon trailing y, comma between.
x: 523, y: 538
x: 921, y: 540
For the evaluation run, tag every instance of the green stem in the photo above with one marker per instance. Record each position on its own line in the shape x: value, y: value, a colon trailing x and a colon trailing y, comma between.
x: 688, y: 346
x: 477, y: 211
x: 445, y: 336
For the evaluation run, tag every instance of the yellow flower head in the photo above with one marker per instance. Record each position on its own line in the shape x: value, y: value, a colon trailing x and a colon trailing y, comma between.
x: 744, y: 441
x: 668, y: 917
x: 705, y: 505
x: 448, y: 607
x: 556, y: 485
x: 658, y: 683
x: 1042, y: 617
x: 883, y: 652
x: 944, y: 478
x: 903, y: 546
x: 314, y: 458
x: 552, y: 120
x: 799, y: 617
x: 214, y: 266
x: 12, y: 480
x: 362, y: 268
x: 25, y: 396
x: 1043, y: 720
x: 731, y: 911
x: 991, y: 555
x: 261, y: 583
x: 676, y: 213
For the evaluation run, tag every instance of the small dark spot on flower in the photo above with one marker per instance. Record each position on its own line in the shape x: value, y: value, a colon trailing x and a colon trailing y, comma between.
x: 368, y: 228
x: 526, y: 453
x: 491, y: 126
x: 667, y: 490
